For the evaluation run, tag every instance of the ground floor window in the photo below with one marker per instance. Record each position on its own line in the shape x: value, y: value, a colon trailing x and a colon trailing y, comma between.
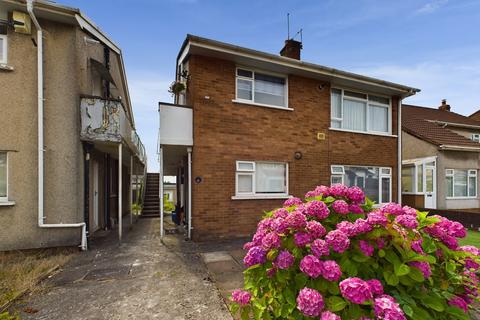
x: 461, y: 183
x: 3, y: 176
x: 376, y: 182
x: 261, y: 178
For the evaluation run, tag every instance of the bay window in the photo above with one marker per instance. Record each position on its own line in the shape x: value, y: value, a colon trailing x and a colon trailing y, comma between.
x: 376, y: 182
x: 261, y: 88
x: 461, y: 183
x: 261, y: 178
x: 3, y: 177
x: 361, y: 112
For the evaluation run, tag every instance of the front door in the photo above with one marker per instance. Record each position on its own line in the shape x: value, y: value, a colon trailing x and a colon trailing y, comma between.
x: 430, y: 187
x: 95, y: 196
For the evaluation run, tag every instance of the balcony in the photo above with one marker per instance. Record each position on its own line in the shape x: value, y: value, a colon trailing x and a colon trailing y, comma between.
x: 105, y: 121
x: 176, y: 125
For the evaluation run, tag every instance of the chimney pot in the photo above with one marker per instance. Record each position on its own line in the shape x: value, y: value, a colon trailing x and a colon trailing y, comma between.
x: 444, y: 106
x: 291, y: 49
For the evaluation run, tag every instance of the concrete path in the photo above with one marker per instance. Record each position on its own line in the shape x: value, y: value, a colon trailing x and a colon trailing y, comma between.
x: 140, y: 279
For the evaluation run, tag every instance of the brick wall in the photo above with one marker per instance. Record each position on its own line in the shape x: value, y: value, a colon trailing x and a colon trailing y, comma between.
x: 225, y: 131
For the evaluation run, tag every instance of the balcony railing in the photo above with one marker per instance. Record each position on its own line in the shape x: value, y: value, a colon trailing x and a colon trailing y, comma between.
x: 105, y: 121
x: 176, y: 125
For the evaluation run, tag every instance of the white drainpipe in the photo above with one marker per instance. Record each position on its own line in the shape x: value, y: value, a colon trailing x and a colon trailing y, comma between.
x: 399, y: 139
x: 41, y: 216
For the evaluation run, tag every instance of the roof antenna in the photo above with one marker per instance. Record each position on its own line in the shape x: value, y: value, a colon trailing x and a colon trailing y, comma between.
x: 288, y: 26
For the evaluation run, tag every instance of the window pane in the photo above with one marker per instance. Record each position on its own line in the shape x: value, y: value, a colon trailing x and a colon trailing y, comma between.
x: 3, y: 175
x: 378, y: 99
x: 472, y: 186
x: 429, y: 180
x: 244, y: 73
x: 2, y: 43
x: 245, y: 166
x: 336, y: 179
x: 449, y: 181
x: 365, y: 178
x: 336, y: 102
x: 460, y: 181
x: 355, y: 94
x: 420, y: 178
x: 244, y: 89
x: 354, y: 115
x: 336, y: 124
x: 269, y: 90
x: 386, y: 190
x: 408, y: 175
x: 245, y: 183
x: 270, y: 178
x: 378, y: 118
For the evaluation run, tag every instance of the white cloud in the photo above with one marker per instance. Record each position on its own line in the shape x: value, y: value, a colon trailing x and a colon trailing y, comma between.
x: 431, y: 6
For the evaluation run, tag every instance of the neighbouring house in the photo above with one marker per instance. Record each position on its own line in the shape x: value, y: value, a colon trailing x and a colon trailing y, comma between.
x: 69, y: 152
x: 249, y: 129
x: 441, y: 158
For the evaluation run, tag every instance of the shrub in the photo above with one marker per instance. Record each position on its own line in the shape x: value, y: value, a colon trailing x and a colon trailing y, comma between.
x: 335, y: 256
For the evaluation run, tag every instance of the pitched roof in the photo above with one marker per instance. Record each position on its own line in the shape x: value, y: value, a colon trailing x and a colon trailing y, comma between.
x: 433, y: 126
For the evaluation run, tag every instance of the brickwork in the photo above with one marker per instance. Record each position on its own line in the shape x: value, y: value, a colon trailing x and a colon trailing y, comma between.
x: 225, y: 131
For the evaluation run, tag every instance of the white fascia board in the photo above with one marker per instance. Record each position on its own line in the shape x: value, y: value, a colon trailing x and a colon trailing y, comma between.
x: 458, y: 148
x: 86, y: 24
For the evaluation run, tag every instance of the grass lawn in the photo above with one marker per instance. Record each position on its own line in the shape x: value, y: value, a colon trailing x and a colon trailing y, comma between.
x: 21, y: 270
x: 473, y: 239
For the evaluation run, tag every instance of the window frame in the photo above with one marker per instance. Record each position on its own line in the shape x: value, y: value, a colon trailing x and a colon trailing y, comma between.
x: 5, y: 199
x: 368, y: 103
x: 449, y: 172
x: 5, y: 49
x: 252, y: 173
x: 252, y: 79
x: 475, y: 137
x: 381, y: 176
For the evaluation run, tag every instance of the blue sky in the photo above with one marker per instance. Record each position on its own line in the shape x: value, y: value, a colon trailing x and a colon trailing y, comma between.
x: 433, y: 45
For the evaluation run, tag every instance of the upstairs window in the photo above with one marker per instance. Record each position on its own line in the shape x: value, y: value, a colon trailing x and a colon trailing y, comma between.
x: 476, y: 137
x: 261, y: 88
x: 261, y: 178
x: 3, y: 177
x: 3, y: 49
x: 355, y: 111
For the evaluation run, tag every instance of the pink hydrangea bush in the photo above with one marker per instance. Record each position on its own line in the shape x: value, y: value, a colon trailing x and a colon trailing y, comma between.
x: 337, y: 256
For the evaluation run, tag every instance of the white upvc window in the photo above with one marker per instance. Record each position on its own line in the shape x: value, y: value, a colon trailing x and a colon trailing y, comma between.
x: 261, y: 88
x: 3, y: 49
x: 461, y: 183
x: 3, y: 176
x: 476, y: 137
x: 361, y: 112
x: 376, y: 182
x: 261, y: 178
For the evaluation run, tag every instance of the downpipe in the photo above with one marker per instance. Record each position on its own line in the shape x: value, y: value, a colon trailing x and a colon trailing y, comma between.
x: 41, y: 217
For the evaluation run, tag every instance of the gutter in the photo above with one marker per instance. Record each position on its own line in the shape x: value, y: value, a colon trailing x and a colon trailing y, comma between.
x: 458, y: 148
x: 453, y: 124
x: 399, y: 152
x: 41, y: 174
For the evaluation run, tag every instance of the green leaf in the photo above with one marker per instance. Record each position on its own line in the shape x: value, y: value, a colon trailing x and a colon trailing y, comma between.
x: 391, y: 257
x: 433, y: 302
x: 245, y: 314
x: 450, y: 266
x: 300, y: 280
x: 390, y: 278
x: 416, y: 275
x: 457, y: 312
x: 408, y: 310
x: 336, y: 303
x: 381, y: 253
x: 401, y: 270
x: 360, y: 257
x: 234, y: 308
x: 333, y: 288
x: 420, y: 313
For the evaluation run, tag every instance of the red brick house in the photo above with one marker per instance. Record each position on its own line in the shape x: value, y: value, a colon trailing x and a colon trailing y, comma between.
x: 252, y: 129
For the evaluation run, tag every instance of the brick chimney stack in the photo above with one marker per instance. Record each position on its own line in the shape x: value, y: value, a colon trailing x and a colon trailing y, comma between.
x: 291, y: 49
x: 444, y: 106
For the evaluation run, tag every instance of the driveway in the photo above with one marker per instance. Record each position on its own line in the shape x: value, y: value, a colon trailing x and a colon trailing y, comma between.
x: 139, y: 279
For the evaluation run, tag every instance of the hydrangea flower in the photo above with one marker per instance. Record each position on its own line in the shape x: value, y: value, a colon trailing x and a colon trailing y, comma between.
x: 310, y: 302
x: 377, y: 218
x: 301, y: 239
x: 346, y: 227
x: 386, y: 308
x: 409, y: 211
x: 327, y: 315
x: 338, y: 190
x: 319, y: 248
x: 392, y: 208
x: 284, y: 260
x: 247, y: 246
x: 380, y: 243
x: 316, y: 229
x: 311, y: 266
x: 280, y: 213
x: 356, y: 290
x: 296, y: 220
x: 241, y: 297
x: 280, y: 225
x: 366, y: 248
x: 407, y: 221
x: 470, y: 249
x: 256, y: 255
x: 459, y: 302
x: 417, y: 246
x: 271, y: 241
x: 355, y: 208
x: 337, y: 240
x: 340, y: 206
x: 317, y: 209
x: 422, y: 266
x: 292, y: 202
x: 331, y: 270
x: 356, y: 195
x: 362, y: 226
x: 375, y: 287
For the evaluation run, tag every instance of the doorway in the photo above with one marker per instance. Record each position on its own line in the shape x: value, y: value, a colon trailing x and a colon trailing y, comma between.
x: 430, y: 187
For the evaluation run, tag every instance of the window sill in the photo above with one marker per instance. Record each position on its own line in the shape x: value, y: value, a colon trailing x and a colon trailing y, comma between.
x: 414, y: 193
x: 254, y: 104
x: 461, y: 198
x: 5, y: 67
x: 7, y: 203
x: 368, y: 133
x: 261, y: 197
